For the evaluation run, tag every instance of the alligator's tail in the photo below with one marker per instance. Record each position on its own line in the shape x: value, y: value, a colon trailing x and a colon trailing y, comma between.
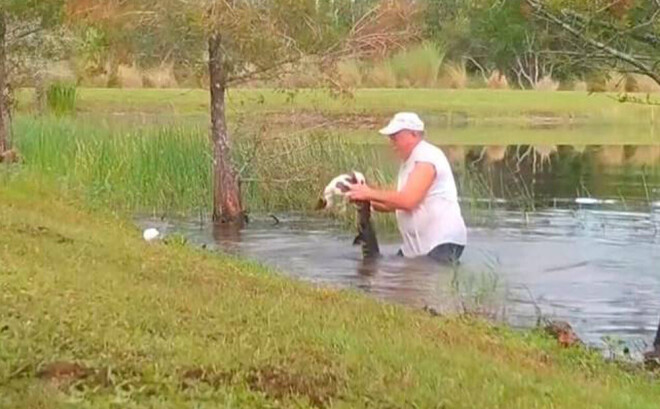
x: 366, y: 236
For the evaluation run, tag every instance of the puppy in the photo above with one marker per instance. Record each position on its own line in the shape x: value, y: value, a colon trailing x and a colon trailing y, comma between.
x: 338, y: 187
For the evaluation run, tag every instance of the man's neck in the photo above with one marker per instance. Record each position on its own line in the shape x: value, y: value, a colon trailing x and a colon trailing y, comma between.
x: 413, y: 149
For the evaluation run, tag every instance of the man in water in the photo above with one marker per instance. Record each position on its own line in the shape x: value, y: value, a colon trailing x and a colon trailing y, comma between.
x: 426, y: 201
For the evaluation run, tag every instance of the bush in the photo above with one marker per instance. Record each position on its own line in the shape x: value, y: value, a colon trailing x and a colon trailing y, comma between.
x: 129, y: 76
x: 642, y: 83
x: 381, y: 75
x: 497, y: 80
x: 547, y: 84
x: 454, y: 75
x: 61, y: 98
x: 418, y: 66
x: 349, y: 73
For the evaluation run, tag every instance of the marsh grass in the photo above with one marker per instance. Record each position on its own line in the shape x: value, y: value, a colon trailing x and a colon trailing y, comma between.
x: 61, y: 98
x: 479, y: 294
x: 166, y: 169
x: 454, y: 75
x: 155, y: 170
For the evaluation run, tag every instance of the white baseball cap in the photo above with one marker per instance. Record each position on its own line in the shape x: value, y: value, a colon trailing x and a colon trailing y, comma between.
x: 403, y: 120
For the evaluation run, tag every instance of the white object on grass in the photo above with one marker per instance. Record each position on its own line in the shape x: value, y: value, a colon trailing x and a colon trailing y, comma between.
x: 150, y: 234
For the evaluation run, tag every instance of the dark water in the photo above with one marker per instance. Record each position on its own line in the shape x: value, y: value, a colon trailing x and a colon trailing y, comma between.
x: 581, y: 244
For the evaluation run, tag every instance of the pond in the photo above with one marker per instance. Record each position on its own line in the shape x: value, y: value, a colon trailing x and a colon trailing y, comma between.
x: 567, y: 232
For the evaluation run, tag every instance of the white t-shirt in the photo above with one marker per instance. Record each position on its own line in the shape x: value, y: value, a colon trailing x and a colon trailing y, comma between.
x: 437, y: 219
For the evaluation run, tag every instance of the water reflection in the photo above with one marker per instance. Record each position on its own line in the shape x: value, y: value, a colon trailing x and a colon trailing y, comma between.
x: 540, y: 174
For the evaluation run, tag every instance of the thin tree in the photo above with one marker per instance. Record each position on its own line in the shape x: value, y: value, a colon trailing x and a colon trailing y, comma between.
x: 243, y: 40
x: 19, y: 21
x: 623, y: 34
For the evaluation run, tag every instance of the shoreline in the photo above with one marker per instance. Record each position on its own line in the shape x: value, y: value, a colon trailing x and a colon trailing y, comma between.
x: 90, y: 308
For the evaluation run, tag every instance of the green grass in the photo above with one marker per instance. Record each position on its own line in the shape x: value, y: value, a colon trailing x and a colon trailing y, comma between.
x: 529, y: 134
x: 157, y: 325
x: 164, y: 169
x: 477, y: 105
x: 61, y: 98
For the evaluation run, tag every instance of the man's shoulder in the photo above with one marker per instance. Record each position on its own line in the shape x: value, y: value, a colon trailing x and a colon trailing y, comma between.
x: 428, y: 151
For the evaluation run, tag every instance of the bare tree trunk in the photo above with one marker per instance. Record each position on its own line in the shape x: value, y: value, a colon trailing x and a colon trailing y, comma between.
x: 226, y: 189
x: 656, y: 341
x: 4, y: 119
x: 40, y: 91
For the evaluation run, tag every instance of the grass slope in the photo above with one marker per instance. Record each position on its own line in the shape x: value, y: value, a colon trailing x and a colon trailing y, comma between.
x: 168, y: 326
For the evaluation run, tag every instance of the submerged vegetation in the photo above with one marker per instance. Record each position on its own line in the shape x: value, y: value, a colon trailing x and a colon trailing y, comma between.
x: 124, y: 322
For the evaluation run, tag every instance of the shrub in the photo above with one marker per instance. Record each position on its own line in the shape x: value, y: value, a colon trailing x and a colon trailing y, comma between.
x: 547, y: 84
x: 454, y: 75
x: 497, y: 80
x: 644, y: 83
x: 418, y: 66
x: 129, y: 77
x: 160, y: 77
x: 349, y: 73
x: 581, y: 86
x: 381, y: 75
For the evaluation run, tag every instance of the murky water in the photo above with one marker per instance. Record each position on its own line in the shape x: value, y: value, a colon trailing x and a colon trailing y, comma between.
x: 577, y: 239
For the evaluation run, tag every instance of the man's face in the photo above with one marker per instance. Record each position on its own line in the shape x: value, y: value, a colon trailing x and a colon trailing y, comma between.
x: 403, y: 143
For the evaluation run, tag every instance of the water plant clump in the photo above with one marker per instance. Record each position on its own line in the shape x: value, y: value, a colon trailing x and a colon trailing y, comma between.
x: 61, y: 98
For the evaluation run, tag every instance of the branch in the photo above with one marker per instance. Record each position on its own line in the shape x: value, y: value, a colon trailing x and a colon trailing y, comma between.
x: 15, y: 38
x: 617, y: 54
x: 262, y: 72
x: 479, y: 66
x: 647, y: 38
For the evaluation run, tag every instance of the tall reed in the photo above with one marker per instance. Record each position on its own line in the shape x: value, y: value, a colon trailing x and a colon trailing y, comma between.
x: 157, y: 169
x: 168, y: 168
x: 61, y: 98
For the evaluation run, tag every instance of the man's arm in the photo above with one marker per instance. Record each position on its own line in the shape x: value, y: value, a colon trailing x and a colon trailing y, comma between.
x: 381, y: 207
x: 412, y: 194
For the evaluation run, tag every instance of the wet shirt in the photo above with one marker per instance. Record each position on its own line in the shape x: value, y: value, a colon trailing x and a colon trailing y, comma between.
x: 437, y: 219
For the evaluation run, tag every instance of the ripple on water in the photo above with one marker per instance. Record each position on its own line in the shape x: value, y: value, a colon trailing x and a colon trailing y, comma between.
x: 594, y: 267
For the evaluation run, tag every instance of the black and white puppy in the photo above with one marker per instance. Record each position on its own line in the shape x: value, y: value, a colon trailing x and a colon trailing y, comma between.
x: 338, y: 187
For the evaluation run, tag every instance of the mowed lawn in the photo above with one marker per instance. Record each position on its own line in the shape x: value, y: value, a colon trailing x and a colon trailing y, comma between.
x: 477, y: 104
x: 92, y: 316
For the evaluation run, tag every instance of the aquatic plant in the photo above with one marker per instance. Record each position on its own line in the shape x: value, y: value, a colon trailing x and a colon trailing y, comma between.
x: 61, y: 98
x: 167, y: 168
x: 478, y: 294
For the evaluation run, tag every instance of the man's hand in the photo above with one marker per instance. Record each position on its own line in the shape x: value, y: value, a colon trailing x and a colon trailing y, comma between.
x: 360, y: 193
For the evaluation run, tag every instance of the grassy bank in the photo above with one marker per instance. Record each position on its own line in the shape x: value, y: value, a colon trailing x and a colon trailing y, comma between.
x: 475, y: 105
x: 137, y: 325
x: 168, y: 168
